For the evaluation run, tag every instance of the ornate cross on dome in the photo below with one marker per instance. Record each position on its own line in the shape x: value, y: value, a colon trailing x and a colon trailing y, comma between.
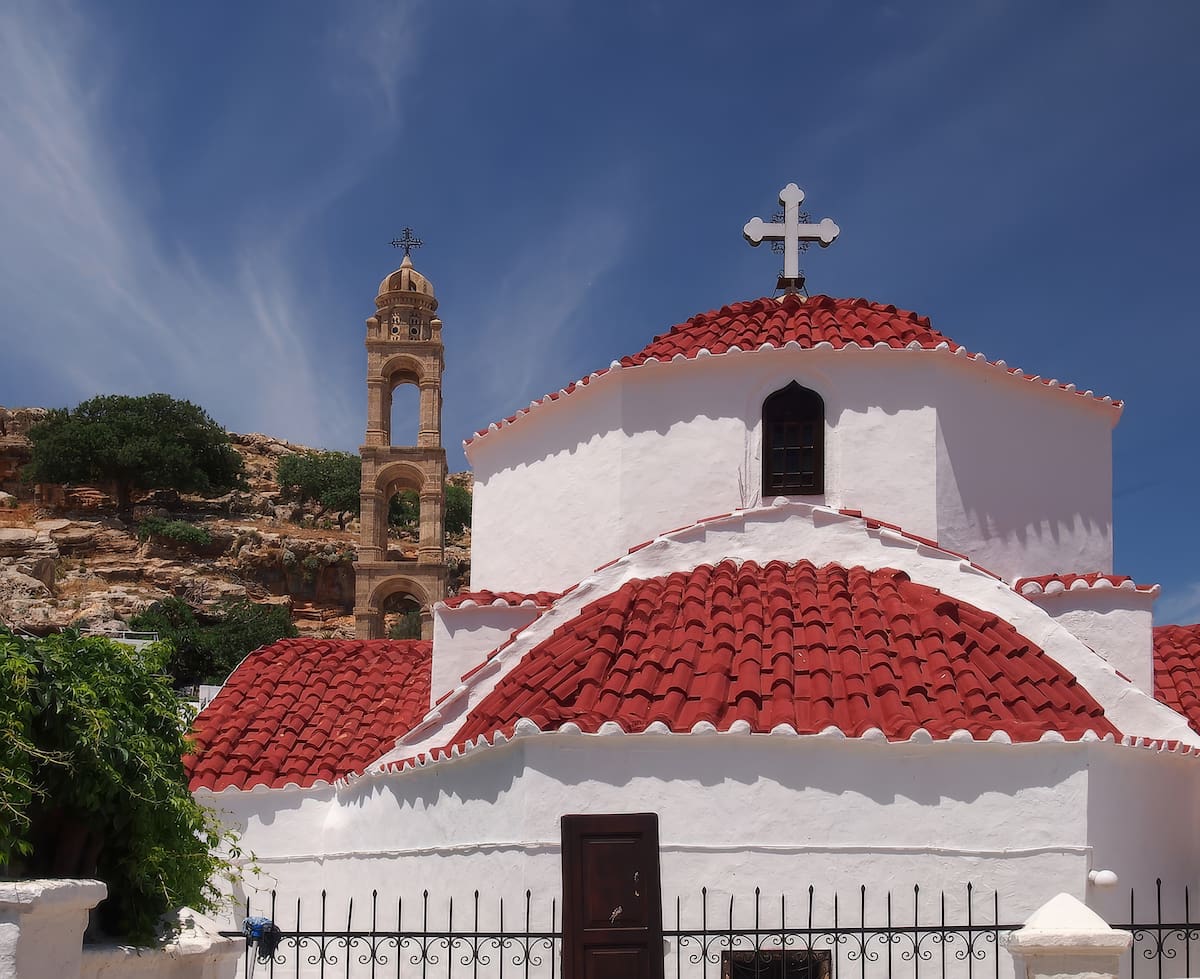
x: 408, y: 241
x: 791, y: 232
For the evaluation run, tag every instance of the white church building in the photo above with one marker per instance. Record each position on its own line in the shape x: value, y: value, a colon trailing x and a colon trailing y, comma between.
x: 802, y: 592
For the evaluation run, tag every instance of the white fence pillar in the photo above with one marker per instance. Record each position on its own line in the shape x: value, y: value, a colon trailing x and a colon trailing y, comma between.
x: 195, y: 950
x: 42, y: 924
x: 1065, y: 939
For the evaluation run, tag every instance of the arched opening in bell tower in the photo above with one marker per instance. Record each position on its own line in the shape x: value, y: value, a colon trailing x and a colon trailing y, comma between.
x: 400, y: 531
x: 397, y: 607
x: 401, y: 377
x: 402, y: 618
x: 405, y: 413
x: 403, y: 525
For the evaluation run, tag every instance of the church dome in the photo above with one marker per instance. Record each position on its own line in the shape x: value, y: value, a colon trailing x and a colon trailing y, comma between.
x: 405, y: 282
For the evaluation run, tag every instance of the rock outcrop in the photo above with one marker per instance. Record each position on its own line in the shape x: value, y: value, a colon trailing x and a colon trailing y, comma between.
x: 65, y: 558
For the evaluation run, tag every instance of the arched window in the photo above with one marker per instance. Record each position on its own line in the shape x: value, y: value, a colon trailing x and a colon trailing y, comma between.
x: 793, y: 443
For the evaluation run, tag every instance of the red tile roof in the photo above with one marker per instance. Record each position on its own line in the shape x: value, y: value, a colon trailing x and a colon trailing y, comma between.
x: 1051, y: 584
x: 1177, y: 670
x: 539, y: 599
x: 771, y: 322
x: 789, y: 644
x: 307, y: 710
x: 807, y: 322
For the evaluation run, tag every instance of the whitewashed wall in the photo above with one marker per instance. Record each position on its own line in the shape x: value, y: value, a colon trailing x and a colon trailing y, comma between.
x: 464, y: 635
x: 1118, y: 623
x: 1008, y: 471
x: 1024, y: 475
x: 736, y: 812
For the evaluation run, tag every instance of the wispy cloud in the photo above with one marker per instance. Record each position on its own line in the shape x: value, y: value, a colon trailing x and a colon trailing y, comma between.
x: 1179, y: 604
x: 523, y: 347
x: 99, y: 298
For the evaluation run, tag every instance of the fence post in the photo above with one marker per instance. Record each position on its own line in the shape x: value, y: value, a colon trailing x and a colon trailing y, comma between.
x: 1064, y: 939
x: 42, y: 924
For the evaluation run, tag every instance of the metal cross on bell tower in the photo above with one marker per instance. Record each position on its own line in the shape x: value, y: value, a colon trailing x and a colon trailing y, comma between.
x: 408, y: 241
x: 791, y: 232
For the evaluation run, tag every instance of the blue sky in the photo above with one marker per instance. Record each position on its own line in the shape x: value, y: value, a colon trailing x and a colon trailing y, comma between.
x: 198, y: 198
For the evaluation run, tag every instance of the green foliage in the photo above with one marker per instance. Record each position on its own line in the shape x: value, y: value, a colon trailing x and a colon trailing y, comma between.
x: 329, y: 479
x: 408, y: 627
x: 179, y: 531
x: 142, y: 443
x: 92, y: 782
x: 208, y: 651
x: 404, y: 509
x: 458, y: 509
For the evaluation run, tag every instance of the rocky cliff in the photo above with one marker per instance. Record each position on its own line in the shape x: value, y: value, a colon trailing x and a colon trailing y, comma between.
x: 65, y: 558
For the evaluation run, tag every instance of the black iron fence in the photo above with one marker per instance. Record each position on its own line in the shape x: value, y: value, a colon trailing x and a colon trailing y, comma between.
x: 711, y: 935
x: 1163, y: 945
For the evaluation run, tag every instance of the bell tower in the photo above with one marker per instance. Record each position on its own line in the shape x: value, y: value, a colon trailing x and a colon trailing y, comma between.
x: 404, y: 346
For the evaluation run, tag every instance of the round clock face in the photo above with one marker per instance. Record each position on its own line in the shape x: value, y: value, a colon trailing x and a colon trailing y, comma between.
x: 395, y: 330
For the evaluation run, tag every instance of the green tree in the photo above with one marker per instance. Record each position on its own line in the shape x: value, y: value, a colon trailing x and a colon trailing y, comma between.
x: 92, y: 782
x: 207, y: 651
x: 134, y: 443
x: 405, y: 507
x: 458, y: 509
x: 329, y: 479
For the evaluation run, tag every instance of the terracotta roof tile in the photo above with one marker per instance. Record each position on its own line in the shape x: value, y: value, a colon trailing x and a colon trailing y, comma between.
x: 806, y: 322
x: 776, y: 322
x: 1177, y: 670
x: 305, y: 710
x: 789, y: 644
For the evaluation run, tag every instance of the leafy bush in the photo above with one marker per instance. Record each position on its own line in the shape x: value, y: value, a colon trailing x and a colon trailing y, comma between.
x: 329, y: 479
x: 92, y: 783
x: 179, y: 531
x: 404, y: 509
x: 408, y: 626
x: 208, y: 651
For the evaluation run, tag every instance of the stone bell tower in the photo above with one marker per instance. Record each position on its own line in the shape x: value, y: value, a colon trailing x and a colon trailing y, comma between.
x: 404, y: 346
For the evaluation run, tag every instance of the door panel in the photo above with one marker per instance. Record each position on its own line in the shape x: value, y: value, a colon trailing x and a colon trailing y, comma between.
x: 612, y: 897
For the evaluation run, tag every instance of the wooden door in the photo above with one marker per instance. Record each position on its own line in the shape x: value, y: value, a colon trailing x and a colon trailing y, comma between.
x: 612, y: 897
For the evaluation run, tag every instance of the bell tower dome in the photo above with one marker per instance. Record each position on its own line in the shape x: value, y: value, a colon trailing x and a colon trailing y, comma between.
x: 404, y: 346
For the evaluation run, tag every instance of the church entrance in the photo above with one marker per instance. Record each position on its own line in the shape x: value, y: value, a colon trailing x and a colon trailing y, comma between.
x: 612, y: 900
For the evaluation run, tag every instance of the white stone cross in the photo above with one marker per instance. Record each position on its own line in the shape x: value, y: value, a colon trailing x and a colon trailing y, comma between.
x: 791, y: 232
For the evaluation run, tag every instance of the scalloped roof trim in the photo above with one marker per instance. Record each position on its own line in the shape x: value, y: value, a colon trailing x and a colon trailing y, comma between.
x: 945, y: 347
x: 1061, y: 583
x: 485, y: 598
x: 526, y: 728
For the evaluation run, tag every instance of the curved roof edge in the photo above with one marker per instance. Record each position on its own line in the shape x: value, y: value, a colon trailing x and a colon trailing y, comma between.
x: 790, y: 530
x: 930, y: 343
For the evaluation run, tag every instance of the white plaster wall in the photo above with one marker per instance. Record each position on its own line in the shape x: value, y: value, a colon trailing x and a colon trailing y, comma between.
x: 464, y: 635
x: 575, y: 484
x: 1117, y: 623
x: 738, y: 812
x: 1013, y: 473
x: 1144, y: 823
x: 546, y: 495
x: 1024, y: 475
